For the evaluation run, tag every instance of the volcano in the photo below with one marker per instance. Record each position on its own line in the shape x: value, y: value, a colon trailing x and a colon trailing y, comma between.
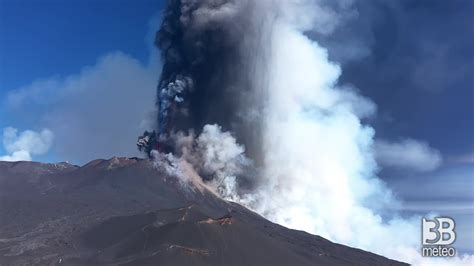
x: 125, y: 211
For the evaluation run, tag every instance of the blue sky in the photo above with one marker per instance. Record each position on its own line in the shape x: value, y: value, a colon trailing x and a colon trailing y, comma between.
x: 416, y: 65
x: 52, y: 38
x: 420, y: 73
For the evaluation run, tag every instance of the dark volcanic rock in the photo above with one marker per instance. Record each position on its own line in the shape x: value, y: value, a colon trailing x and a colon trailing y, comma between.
x: 126, y: 212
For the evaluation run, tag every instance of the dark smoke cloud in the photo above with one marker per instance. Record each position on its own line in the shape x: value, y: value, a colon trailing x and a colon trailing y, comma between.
x: 207, y: 73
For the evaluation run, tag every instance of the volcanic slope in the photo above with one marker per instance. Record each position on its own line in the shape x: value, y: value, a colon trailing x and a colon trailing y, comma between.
x: 125, y: 211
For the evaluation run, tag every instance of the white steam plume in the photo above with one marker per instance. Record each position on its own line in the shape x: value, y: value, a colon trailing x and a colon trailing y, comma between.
x: 319, y: 168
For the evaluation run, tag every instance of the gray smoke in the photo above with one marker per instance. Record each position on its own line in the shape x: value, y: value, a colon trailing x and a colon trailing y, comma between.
x: 217, y: 158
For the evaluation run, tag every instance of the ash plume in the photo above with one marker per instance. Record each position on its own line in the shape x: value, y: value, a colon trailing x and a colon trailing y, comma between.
x: 254, y: 105
x: 207, y: 75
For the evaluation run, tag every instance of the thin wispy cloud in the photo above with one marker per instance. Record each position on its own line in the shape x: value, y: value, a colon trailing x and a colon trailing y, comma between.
x: 407, y: 154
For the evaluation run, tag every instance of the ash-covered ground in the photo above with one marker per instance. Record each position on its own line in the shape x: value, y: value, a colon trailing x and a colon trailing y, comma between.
x: 128, y: 211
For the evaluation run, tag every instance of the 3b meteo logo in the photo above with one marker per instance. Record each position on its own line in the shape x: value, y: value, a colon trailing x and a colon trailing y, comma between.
x: 438, y: 235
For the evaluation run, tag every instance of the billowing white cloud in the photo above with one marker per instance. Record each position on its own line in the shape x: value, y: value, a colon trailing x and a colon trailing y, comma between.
x: 22, y: 146
x: 97, y: 113
x: 218, y: 157
x: 407, y: 154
